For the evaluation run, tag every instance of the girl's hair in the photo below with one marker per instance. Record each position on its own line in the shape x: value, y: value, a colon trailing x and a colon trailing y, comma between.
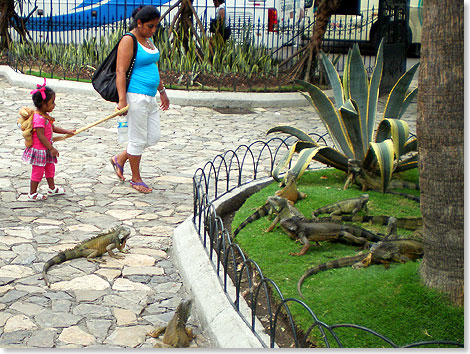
x: 145, y: 14
x: 37, y: 96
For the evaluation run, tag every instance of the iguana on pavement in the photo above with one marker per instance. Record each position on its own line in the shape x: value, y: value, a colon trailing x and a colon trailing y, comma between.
x: 274, y: 205
x: 346, y: 206
x: 177, y: 335
x: 93, y: 247
x: 307, y: 231
x: 290, y: 191
x: 384, y: 252
x: 409, y: 223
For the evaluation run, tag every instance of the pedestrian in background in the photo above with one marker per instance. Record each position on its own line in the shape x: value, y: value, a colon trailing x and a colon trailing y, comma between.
x: 219, y: 25
x: 143, y: 114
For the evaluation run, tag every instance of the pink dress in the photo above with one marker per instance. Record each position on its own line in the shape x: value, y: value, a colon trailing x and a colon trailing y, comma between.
x: 38, y: 154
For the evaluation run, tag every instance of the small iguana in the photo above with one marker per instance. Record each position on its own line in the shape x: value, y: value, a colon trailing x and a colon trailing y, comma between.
x: 362, y: 178
x: 177, y: 335
x: 290, y: 191
x: 346, y: 206
x: 91, y: 248
x: 274, y: 205
x: 409, y: 223
x: 307, y: 231
x: 390, y: 249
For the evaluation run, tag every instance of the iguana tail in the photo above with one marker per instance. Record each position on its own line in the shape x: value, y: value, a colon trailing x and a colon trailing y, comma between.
x: 337, y: 263
x: 258, y: 214
x: 60, y: 257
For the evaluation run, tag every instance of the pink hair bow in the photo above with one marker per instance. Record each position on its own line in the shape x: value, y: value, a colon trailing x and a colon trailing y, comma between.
x: 40, y: 88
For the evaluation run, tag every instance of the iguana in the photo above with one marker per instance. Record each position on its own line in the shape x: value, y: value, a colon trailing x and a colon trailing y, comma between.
x: 346, y: 206
x: 274, y: 205
x: 366, y: 181
x: 290, y: 191
x: 177, y: 335
x: 409, y: 223
x: 93, y: 247
x: 386, y: 251
x: 309, y: 231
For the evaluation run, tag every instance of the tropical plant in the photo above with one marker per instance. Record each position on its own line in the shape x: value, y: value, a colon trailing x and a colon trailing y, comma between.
x: 350, y: 122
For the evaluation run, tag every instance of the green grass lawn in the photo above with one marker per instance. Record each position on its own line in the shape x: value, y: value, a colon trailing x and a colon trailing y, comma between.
x: 392, y: 302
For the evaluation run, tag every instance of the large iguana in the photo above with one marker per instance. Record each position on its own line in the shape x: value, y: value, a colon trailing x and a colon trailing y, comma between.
x: 91, y: 248
x: 346, y: 206
x: 307, y: 231
x: 384, y: 252
x: 409, y: 223
x: 274, y: 205
x: 290, y: 191
x: 177, y: 335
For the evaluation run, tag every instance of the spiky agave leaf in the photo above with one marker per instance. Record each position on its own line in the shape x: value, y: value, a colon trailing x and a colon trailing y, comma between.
x: 335, y: 80
x: 373, y: 94
x: 299, y: 134
x: 323, y: 154
x: 398, y: 94
x: 395, y: 129
x: 330, y: 117
x: 383, y: 153
x: 287, y: 158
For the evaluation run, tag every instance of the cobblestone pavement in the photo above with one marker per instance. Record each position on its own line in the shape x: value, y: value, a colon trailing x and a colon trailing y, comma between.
x: 112, y: 304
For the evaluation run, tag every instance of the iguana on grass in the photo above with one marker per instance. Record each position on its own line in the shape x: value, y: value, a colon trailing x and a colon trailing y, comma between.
x: 177, y: 335
x: 307, y: 231
x: 346, y: 206
x: 91, y: 248
x: 409, y: 223
x: 366, y: 181
x: 384, y: 252
x: 290, y: 191
x: 274, y: 205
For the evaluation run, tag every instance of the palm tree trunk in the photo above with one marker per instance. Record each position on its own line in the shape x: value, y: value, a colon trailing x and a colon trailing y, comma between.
x: 440, y: 131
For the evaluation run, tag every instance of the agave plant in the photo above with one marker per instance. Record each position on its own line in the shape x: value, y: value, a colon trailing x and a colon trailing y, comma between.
x: 351, y: 120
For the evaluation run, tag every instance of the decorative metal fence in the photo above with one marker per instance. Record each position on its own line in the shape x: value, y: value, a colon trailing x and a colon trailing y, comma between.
x: 222, y: 175
x: 281, y: 26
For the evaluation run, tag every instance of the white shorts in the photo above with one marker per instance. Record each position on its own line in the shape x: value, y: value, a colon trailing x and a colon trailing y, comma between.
x: 143, y: 119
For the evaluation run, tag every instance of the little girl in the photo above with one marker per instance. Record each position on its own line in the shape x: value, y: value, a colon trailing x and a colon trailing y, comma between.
x: 42, y: 155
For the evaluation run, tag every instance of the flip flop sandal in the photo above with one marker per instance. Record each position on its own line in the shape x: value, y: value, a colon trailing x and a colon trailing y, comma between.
x: 36, y: 197
x: 56, y: 191
x: 117, y: 168
x: 136, y: 186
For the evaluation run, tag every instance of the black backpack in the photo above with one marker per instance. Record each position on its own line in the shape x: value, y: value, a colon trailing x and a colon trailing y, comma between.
x: 104, y: 78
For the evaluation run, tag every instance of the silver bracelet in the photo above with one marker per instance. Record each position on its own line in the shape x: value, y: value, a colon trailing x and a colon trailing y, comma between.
x: 162, y: 90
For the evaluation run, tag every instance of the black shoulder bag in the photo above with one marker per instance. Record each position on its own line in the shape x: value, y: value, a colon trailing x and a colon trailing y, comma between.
x: 104, y: 78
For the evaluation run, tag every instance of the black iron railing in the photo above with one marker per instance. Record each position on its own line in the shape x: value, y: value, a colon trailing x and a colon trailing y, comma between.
x: 250, y: 165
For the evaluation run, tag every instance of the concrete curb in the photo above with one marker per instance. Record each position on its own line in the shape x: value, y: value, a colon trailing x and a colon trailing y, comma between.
x: 218, y: 318
x: 179, y: 97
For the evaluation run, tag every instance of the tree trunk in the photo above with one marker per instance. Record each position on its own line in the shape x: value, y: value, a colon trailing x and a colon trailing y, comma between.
x: 305, y: 67
x: 7, y: 10
x: 440, y: 131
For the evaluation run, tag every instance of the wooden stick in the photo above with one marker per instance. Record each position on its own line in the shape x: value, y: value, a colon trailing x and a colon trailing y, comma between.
x: 117, y: 113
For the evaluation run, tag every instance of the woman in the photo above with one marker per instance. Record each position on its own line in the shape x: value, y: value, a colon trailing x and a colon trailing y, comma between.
x: 143, y: 114
x: 218, y: 25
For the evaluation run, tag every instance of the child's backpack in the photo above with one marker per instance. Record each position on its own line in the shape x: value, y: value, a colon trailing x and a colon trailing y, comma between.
x: 25, y: 122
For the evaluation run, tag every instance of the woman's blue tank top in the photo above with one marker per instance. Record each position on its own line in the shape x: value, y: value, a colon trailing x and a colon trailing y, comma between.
x: 145, y: 77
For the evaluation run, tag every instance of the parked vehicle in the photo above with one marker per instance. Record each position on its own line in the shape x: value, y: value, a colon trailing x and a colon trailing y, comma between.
x: 357, y: 20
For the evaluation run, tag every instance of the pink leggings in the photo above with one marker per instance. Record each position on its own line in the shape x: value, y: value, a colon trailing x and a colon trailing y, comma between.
x: 39, y: 171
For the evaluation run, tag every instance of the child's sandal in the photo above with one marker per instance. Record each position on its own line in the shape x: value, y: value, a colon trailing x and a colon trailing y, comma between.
x: 36, y: 196
x: 56, y: 191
